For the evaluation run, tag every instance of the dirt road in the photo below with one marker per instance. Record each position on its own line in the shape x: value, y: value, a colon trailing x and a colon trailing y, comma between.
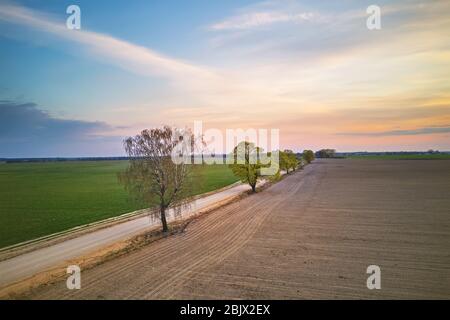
x: 310, y: 236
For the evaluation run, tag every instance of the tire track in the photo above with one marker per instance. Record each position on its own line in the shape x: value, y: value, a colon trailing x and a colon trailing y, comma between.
x: 234, y: 241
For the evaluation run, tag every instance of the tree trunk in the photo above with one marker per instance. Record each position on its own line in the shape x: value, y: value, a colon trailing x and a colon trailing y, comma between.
x: 163, y: 219
x: 253, y: 187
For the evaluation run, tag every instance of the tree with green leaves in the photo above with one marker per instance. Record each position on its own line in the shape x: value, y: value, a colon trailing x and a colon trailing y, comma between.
x: 246, y: 164
x: 288, y: 160
x: 308, y: 156
x: 326, y: 153
x: 284, y: 162
x: 294, y: 162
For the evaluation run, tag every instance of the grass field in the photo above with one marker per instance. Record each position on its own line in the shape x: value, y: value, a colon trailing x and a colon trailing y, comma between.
x: 403, y: 157
x: 38, y: 199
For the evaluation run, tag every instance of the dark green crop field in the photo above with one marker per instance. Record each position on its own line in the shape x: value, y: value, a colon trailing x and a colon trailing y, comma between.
x: 38, y: 199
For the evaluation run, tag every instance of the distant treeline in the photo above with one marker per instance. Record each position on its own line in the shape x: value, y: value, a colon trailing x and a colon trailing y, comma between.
x: 15, y: 160
x: 62, y: 159
x: 324, y: 153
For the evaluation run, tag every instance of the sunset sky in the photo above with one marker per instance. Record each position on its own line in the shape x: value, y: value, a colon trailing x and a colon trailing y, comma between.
x: 311, y: 69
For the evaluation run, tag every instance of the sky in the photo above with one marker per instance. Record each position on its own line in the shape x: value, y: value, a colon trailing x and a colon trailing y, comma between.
x: 311, y: 69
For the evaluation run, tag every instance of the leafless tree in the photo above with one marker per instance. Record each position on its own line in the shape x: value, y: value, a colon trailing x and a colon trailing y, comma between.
x: 198, y: 147
x: 152, y: 175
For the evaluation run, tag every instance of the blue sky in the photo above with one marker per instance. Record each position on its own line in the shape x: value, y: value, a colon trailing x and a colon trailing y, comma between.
x: 311, y: 69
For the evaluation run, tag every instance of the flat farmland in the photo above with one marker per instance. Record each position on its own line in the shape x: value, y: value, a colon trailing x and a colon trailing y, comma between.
x: 312, y: 235
x: 38, y: 199
x: 440, y: 156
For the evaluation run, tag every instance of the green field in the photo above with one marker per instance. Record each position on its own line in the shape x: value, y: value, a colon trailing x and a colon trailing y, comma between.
x: 402, y: 157
x: 38, y: 199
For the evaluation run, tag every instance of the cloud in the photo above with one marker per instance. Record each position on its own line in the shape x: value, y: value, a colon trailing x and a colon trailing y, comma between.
x: 334, y: 34
x: 127, y: 55
x: 27, y: 131
x: 258, y: 19
x: 24, y: 120
x: 419, y: 131
x: 318, y: 78
x: 194, y: 82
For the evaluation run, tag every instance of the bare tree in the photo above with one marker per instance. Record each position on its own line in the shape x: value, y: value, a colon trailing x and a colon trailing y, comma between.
x: 152, y: 175
x: 198, y: 147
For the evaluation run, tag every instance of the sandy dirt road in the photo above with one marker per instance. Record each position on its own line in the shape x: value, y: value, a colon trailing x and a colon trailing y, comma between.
x: 310, y: 236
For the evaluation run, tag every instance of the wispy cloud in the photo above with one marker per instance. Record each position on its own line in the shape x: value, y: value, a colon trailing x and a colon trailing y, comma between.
x: 411, y: 132
x: 127, y: 55
x: 258, y: 19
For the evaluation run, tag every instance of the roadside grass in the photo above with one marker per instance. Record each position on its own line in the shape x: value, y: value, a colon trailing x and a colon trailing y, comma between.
x: 402, y: 157
x: 38, y: 199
